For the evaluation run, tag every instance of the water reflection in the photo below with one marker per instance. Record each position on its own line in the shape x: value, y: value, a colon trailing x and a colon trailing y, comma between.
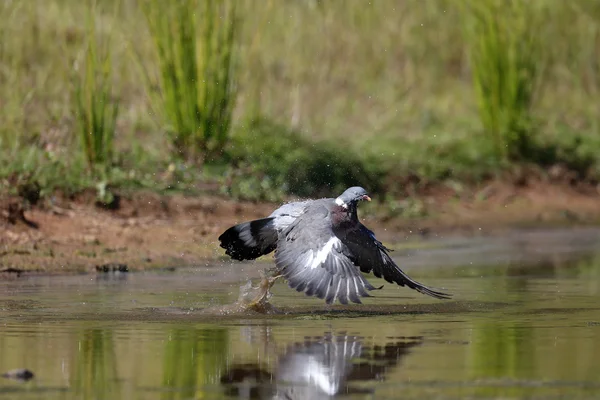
x: 96, y: 365
x: 319, y: 368
x: 502, y: 350
x: 19, y: 375
x: 193, y: 358
x: 519, y: 330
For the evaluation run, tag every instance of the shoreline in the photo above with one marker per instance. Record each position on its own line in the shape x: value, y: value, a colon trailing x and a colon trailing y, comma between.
x: 150, y: 231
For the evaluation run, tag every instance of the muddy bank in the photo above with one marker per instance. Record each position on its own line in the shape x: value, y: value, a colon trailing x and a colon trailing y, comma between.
x: 147, y: 230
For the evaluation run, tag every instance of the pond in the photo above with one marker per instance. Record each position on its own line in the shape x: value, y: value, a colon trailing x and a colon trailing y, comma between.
x: 524, y: 322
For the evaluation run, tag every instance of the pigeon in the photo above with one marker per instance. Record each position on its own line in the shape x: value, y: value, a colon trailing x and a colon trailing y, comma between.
x: 321, y: 248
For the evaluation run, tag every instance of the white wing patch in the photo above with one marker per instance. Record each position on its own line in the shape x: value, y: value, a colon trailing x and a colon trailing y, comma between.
x: 322, y: 254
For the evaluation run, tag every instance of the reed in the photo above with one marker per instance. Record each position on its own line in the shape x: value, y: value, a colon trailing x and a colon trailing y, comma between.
x: 195, y: 43
x: 96, y: 110
x: 508, y: 61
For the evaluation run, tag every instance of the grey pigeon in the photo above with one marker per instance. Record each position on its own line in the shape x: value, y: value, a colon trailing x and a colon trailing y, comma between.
x: 321, y: 248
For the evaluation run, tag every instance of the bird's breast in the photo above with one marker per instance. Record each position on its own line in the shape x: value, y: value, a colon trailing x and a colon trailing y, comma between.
x: 340, y: 217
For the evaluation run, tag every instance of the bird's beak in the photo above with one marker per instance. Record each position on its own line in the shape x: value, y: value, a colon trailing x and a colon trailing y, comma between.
x: 367, y: 198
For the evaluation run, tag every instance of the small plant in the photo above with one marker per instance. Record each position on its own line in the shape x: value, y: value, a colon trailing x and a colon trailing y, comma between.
x: 507, y: 62
x: 196, y: 43
x: 96, y: 111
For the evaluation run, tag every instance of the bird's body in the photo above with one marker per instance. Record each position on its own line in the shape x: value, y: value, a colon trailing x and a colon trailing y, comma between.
x: 320, y: 248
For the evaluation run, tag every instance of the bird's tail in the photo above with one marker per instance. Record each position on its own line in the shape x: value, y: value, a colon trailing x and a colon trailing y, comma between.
x: 250, y: 240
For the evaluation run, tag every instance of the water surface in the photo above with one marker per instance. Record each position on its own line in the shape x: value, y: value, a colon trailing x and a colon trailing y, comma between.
x: 524, y: 323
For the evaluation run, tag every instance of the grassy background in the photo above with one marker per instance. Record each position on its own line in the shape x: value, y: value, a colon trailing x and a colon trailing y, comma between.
x: 329, y: 93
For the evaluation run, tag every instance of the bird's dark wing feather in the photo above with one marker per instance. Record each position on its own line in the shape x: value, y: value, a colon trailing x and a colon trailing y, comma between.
x: 313, y: 260
x: 250, y: 240
x: 369, y: 254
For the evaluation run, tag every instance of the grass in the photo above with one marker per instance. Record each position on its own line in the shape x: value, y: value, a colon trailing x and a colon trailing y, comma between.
x: 95, y: 109
x: 390, y: 94
x: 508, y: 60
x: 196, y: 46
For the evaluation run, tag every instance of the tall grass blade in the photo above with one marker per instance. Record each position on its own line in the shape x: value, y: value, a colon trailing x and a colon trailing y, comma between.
x: 96, y: 111
x: 507, y: 61
x: 196, y: 45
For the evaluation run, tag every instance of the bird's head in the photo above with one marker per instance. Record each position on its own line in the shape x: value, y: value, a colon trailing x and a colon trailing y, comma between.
x: 352, y: 196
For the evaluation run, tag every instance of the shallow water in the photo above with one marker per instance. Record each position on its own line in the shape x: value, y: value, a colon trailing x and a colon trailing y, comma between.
x: 524, y: 323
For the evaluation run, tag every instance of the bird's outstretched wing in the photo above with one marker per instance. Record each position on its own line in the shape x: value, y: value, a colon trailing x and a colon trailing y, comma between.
x: 370, y: 255
x: 313, y: 260
x: 252, y: 239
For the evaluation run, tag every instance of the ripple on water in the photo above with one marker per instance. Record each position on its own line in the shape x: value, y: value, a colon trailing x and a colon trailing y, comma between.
x: 524, y: 326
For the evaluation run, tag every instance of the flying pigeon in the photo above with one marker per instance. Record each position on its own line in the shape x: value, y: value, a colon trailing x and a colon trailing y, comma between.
x: 321, y: 248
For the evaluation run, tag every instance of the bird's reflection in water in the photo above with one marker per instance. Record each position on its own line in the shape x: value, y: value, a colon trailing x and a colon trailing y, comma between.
x: 319, y: 368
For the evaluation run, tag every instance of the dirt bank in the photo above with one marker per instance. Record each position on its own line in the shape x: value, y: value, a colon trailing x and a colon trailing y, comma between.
x: 150, y: 231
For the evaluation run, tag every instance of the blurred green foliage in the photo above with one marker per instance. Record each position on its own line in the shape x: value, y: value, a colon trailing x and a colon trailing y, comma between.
x: 272, y: 160
x: 508, y: 59
x: 389, y: 95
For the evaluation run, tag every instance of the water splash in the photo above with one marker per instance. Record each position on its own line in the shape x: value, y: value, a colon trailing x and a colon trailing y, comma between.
x: 252, y: 299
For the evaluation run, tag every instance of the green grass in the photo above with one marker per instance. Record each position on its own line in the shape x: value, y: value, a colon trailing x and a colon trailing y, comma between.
x: 196, y: 46
x: 23, y: 167
x: 391, y: 95
x: 508, y: 60
x: 95, y: 109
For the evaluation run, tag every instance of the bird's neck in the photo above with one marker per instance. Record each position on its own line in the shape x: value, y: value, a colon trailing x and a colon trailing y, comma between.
x: 345, y: 214
x: 352, y: 212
